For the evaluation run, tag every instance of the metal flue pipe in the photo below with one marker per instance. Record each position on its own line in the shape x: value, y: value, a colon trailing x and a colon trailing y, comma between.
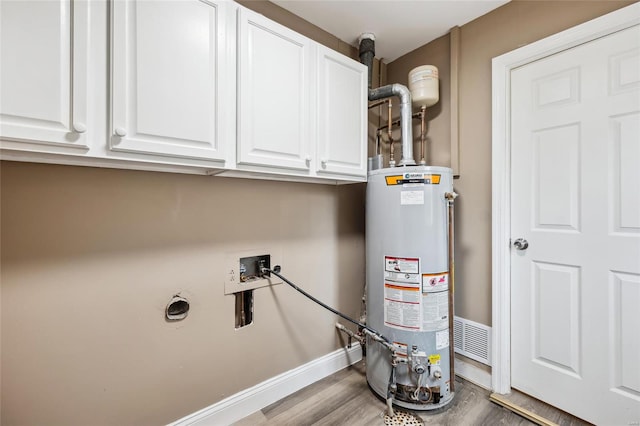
x: 367, y: 53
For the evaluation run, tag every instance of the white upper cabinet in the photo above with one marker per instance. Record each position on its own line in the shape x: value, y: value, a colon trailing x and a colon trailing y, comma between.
x: 342, y: 114
x: 190, y: 86
x: 170, y: 87
x: 43, y: 83
x: 275, y: 69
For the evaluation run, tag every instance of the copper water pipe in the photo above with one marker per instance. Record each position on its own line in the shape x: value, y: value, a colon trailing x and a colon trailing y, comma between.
x: 375, y: 104
x: 450, y: 197
x: 392, y: 161
x: 423, y: 131
x: 397, y: 121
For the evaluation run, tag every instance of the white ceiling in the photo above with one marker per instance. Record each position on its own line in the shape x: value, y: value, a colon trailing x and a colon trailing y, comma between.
x: 400, y: 26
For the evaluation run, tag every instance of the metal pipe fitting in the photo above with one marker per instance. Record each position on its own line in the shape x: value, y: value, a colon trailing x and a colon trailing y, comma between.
x: 405, y: 117
x: 367, y: 53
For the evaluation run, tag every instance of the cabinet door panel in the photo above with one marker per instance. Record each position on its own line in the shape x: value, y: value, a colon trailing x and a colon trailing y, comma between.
x: 44, y: 56
x: 274, y: 94
x: 342, y: 108
x: 168, y: 75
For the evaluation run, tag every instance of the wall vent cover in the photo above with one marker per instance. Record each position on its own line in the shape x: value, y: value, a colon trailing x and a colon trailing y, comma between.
x: 472, y: 339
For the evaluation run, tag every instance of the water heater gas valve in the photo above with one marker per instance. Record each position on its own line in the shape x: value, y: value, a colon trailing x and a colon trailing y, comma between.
x: 418, y: 360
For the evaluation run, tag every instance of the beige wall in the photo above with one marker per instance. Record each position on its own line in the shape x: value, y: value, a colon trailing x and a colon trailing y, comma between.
x: 90, y: 257
x: 507, y: 28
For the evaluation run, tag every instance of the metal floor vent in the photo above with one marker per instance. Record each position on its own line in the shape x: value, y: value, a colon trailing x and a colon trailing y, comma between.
x: 472, y: 340
x: 402, y: 419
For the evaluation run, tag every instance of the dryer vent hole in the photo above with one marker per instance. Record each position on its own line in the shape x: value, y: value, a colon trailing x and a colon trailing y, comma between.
x: 177, y: 309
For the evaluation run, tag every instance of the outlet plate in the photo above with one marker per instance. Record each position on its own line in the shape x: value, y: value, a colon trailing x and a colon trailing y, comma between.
x: 232, y: 281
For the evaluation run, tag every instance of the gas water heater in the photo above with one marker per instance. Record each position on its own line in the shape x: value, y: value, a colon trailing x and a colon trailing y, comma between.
x: 408, y: 294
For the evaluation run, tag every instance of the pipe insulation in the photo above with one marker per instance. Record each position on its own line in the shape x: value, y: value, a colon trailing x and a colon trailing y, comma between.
x: 367, y: 53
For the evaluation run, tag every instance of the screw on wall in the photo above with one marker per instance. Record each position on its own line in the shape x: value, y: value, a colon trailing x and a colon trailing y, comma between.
x: 177, y: 309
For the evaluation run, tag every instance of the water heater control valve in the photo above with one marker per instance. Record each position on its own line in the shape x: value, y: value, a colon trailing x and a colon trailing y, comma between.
x: 418, y: 360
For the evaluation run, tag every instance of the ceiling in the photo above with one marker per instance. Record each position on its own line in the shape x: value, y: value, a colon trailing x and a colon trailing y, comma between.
x: 400, y: 26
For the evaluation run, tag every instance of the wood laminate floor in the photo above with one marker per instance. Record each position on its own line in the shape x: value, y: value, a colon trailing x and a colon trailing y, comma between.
x: 344, y: 398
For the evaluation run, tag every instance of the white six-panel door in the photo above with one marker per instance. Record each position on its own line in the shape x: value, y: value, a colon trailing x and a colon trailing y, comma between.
x: 575, y: 198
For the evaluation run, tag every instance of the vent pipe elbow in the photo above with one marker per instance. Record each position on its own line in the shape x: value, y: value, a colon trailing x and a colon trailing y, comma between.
x: 406, y: 127
x: 367, y: 53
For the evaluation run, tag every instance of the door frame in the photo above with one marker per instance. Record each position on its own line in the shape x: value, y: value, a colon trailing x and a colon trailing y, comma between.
x: 501, y: 170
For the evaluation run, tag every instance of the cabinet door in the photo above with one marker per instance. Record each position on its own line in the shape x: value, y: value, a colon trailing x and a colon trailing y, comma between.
x: 274, y: 89
x: 169, y: 74
x: 43, y: 83
x: 342, y: 114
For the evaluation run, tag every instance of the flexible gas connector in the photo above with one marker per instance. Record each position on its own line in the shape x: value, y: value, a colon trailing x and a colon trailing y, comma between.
x: 368, y: 330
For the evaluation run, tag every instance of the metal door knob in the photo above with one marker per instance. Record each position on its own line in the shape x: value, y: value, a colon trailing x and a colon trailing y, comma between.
x: 521, y: 244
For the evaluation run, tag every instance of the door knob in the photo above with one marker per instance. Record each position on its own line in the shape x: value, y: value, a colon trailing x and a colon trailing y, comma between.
x: 521, y: 244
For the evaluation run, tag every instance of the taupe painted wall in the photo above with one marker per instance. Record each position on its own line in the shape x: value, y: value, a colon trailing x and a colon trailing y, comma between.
x: 90, y: 257
x: 502, y: 30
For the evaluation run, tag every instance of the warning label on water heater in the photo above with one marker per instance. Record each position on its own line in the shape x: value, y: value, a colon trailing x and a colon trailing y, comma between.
x: 442, y: 339
x: 435, y: 311
x: 402, y: 293
x: 402, y: 269
x: 402, y: 306
x: 435, y: 282
x: 409, y: 265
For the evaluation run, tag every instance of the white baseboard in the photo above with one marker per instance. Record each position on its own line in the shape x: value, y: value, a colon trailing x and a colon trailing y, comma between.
x: 250, y: 400
x: 472, y: 373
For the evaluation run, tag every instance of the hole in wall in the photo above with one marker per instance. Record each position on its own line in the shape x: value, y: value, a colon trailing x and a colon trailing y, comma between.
x: 244, y: 308
x: 177, y: 309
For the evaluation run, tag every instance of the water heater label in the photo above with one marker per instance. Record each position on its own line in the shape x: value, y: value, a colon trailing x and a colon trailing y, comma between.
x: 435, y: 311
x: 402, y: 307
x: 435, y: 282
x: 402, y: 277
x: 404, y: 265
x: 411, y: 197
x: 411, y: 179
x: 400, y: 348
x: 442, y: 339
x: 434, y: 359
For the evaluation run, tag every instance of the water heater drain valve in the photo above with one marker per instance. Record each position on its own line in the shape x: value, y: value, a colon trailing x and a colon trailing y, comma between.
x: 436, y: 372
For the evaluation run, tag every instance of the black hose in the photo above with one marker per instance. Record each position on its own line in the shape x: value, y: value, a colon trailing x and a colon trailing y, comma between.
x: 304, y: 293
